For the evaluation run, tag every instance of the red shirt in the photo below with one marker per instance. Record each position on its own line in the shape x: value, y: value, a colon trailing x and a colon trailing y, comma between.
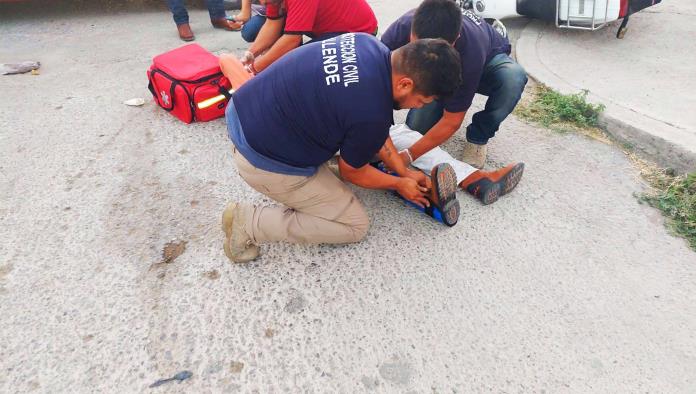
x: 317, y: 17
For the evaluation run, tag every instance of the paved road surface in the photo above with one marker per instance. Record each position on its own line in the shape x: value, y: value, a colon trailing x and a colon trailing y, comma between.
x: 566, y: 285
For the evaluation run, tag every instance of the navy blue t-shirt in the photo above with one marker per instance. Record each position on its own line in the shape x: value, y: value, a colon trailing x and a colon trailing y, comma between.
x: 478, y: 43
x: 319, y: 98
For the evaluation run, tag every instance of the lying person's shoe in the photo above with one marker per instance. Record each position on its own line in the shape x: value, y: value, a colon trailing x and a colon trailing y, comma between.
x: 223, y: 23
x: 489, y: 186
x: 185, y: 32
x: 475, y: 154
x: 238, y: 246
x: 444, y: 193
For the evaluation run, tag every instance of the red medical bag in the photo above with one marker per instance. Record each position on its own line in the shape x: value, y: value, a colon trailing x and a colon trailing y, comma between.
x: 182, y: 79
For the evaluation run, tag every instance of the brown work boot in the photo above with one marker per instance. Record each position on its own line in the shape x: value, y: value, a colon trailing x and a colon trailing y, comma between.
x: 488, y: 186
x: 238, y: 246
x: 444, y: 193
x: 222, y: 23
x: 185, y: 32
x: 475, y: 155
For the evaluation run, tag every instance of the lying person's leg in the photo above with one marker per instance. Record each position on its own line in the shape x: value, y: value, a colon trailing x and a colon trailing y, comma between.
x: 487, y: 186
x: 404, y: 137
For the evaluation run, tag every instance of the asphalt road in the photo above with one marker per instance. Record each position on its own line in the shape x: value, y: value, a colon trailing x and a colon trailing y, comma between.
x: 566, y: 285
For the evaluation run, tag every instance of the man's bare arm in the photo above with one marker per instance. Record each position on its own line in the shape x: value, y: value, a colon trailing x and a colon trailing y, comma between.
x: 271, y: 30
x: 285, y: 44
x: 438, y: 134
x: 389, y: 155
x: 372, y: 178
x: 391, y: 159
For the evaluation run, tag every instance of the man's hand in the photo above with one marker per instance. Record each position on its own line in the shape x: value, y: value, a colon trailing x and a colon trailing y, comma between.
x: 235, y: 25
x: 418, y: 176
x: 409, y: 189
x: 247, y: 58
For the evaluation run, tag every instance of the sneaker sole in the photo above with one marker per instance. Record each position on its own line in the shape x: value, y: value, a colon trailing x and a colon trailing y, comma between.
x: 504, y: 185
x: 445, y: 185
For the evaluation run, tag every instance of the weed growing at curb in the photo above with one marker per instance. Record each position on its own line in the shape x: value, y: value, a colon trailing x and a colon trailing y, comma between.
x: 675, y: 196
x: 558, y: 111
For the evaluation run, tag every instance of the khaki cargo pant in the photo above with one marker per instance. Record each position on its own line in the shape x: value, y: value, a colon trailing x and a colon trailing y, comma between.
x: 318, y: 209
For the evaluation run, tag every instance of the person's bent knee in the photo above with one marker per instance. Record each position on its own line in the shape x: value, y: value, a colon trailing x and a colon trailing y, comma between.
x: 517, y: 79
x: 512, y: 88
x: 249, y: 34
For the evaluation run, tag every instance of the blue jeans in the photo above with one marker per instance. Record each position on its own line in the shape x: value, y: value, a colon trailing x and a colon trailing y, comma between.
x: 252, y: 27
x: 215, y: 8
x: 503, y: 81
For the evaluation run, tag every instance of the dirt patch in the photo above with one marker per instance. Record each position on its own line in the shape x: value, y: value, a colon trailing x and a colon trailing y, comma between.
x: 236, y: 366
x: 212, y: 275
x: 5, y: 269
x: 172, y: 250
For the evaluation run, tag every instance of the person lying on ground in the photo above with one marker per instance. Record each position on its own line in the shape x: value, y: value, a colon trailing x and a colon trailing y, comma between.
x: 487, y: 69
x: 330, y: 96
x: 487, y: 186
x: 288, y: 20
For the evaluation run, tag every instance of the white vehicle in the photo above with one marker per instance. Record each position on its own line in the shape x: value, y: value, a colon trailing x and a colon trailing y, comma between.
x: 567, y: 14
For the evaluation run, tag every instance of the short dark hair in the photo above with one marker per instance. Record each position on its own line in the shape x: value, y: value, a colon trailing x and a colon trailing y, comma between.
x: 437, y: 19
x: 433, y: 65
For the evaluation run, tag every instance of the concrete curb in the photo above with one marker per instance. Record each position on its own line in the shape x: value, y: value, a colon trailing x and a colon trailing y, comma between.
x: 668, y: 145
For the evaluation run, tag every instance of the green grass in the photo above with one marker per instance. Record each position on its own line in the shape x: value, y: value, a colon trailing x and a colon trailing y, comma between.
x: 559, y: 111
x: 676, y: 198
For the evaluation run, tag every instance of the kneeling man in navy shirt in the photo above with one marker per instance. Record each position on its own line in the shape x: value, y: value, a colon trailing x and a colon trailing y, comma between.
x: 330, y: 96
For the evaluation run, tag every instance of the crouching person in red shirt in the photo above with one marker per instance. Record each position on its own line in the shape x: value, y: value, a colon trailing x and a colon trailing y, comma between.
x: 288, y: 20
